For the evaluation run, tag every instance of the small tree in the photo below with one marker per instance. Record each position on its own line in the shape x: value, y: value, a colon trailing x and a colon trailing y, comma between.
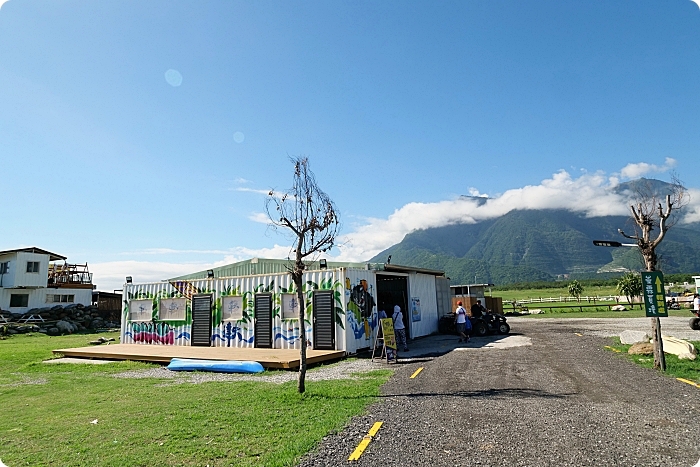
x: 311, y: 218
x: 630, y: 285
x: 575, y: 290
x: 651, y: 212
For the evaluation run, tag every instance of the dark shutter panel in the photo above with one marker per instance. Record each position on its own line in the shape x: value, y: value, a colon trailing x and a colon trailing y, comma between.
x: 324, y: 322
x: 263, y: 321
x: 201, y: 320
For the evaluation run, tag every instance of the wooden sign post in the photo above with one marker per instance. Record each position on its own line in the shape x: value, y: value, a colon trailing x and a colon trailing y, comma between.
x: 388, y: 341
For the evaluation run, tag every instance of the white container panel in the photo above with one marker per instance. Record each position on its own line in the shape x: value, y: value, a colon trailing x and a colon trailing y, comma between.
x: 422, y: 287
x: 238, y: 333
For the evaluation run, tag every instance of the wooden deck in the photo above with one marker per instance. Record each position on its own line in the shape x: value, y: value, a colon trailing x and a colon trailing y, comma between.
x: 268, y: 358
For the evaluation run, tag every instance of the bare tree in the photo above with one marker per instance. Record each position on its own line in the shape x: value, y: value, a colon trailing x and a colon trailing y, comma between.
x: 652, y: 211
x: 311, y: 218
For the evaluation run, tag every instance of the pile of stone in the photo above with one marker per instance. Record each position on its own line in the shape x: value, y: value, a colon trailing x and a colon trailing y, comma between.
x: 58, y: 320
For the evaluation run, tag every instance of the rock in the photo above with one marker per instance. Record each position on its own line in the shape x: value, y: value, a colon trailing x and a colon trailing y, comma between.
x: 67, y: 327
x: 53, y: 332
x: 686, y: 356
x: 641, y: 348
x: 633, y: 337
x: 676, y: 346
x: 619, y: 308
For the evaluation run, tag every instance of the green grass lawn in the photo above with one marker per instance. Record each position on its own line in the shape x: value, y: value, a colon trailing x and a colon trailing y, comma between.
x: 47, y: 412
x: 675, y: 368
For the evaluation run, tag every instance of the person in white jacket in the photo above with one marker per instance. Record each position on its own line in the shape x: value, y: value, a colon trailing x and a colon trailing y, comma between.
x: 399, y: 328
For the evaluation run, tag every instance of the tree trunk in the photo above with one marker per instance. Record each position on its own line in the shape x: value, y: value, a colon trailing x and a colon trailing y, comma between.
x: 659, y: 357
x: 301, y: 385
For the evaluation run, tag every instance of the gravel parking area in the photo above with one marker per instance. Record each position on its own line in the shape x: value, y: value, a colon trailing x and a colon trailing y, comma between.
x: 562, y: 401
x: 347, y: 369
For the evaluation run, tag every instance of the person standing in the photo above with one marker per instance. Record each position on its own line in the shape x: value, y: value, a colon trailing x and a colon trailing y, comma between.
x: 399, y: 328
x: 478, y: 310
x: 696, y: 303
x: 461, y: 321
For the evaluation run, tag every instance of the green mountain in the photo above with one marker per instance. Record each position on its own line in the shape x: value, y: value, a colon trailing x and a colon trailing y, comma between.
x: 532, y: 245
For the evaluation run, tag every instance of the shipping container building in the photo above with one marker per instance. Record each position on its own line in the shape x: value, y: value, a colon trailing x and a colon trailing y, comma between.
x: 253, y: 303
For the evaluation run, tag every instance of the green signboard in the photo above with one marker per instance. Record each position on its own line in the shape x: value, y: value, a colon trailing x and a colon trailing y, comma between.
x: 654, y: 295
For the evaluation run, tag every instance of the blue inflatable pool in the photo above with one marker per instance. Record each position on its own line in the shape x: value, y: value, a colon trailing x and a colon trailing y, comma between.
x: 219, y: 366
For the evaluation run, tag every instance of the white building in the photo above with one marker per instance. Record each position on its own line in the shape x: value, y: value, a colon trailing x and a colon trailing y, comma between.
x: 30, y: 278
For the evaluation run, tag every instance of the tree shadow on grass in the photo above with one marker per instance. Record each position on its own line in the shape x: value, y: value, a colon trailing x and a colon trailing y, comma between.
x: 507, y: 393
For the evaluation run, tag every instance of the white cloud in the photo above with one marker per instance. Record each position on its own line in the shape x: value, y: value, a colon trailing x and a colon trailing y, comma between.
x: 168, y: 251
x: 252, y: 190
x: 242, y: 180
x: 111, y: 275
x: 2, y: 2
x: 640, y: 169
x: 692, y: 210
x: 259, y: 217
x: 591, y: 194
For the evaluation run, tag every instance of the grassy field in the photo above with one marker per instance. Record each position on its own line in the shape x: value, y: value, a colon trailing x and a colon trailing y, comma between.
x: 47, y: 412
x: 587, y: 309
x: 675, y: 368
x: 510, y: 295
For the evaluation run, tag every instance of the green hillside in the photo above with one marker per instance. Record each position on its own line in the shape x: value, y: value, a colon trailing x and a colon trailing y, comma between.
x: 533, y: 245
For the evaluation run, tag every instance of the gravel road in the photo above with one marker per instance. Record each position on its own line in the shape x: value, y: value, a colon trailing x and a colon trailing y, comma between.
x: 562, y: 401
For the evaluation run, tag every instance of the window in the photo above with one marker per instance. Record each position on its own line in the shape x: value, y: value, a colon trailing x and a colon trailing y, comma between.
x: 19, y: 300
x: 232, y: 308
x: 33, y: 266
x: 172, y: 309
x: 4, y: 267
x: 51, y: 298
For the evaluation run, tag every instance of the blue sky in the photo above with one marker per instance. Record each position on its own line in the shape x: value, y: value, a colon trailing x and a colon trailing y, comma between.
x: 139, y: 136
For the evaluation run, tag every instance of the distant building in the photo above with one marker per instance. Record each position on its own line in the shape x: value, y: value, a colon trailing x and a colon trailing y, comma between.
x: 32, y: 278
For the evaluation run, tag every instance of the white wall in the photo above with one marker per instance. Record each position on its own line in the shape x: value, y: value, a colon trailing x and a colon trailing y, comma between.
x: 422, y: 286
x: 31, y: 279
x: 37, y: 298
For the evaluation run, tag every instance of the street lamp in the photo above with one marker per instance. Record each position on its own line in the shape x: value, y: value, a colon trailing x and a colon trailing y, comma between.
x: 611, y: 243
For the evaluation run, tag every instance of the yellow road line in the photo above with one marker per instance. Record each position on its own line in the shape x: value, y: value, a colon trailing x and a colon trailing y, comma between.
x: 612, y: 348
x: 687, y: 381
x: 580, y: 335
x: 416, y: 372
x: 365, y: 442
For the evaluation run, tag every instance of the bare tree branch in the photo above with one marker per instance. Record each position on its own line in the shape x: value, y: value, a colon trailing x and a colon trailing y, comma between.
x: 313, y: 219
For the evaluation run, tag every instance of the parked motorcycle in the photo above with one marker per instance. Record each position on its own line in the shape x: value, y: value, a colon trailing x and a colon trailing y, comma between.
x: 489, y: 323
x: 695, y: 322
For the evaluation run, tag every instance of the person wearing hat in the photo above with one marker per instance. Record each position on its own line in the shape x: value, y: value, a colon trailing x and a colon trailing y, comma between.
x: 461, y: 320
x: 399, y: 328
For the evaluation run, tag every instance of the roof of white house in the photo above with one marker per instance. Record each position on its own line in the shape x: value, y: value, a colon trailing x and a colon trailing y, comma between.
x: 33, y: 249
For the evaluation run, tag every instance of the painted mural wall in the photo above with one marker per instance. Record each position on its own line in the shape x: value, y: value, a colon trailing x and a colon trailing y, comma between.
x: 160, y: 313
x: 360, y: 299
